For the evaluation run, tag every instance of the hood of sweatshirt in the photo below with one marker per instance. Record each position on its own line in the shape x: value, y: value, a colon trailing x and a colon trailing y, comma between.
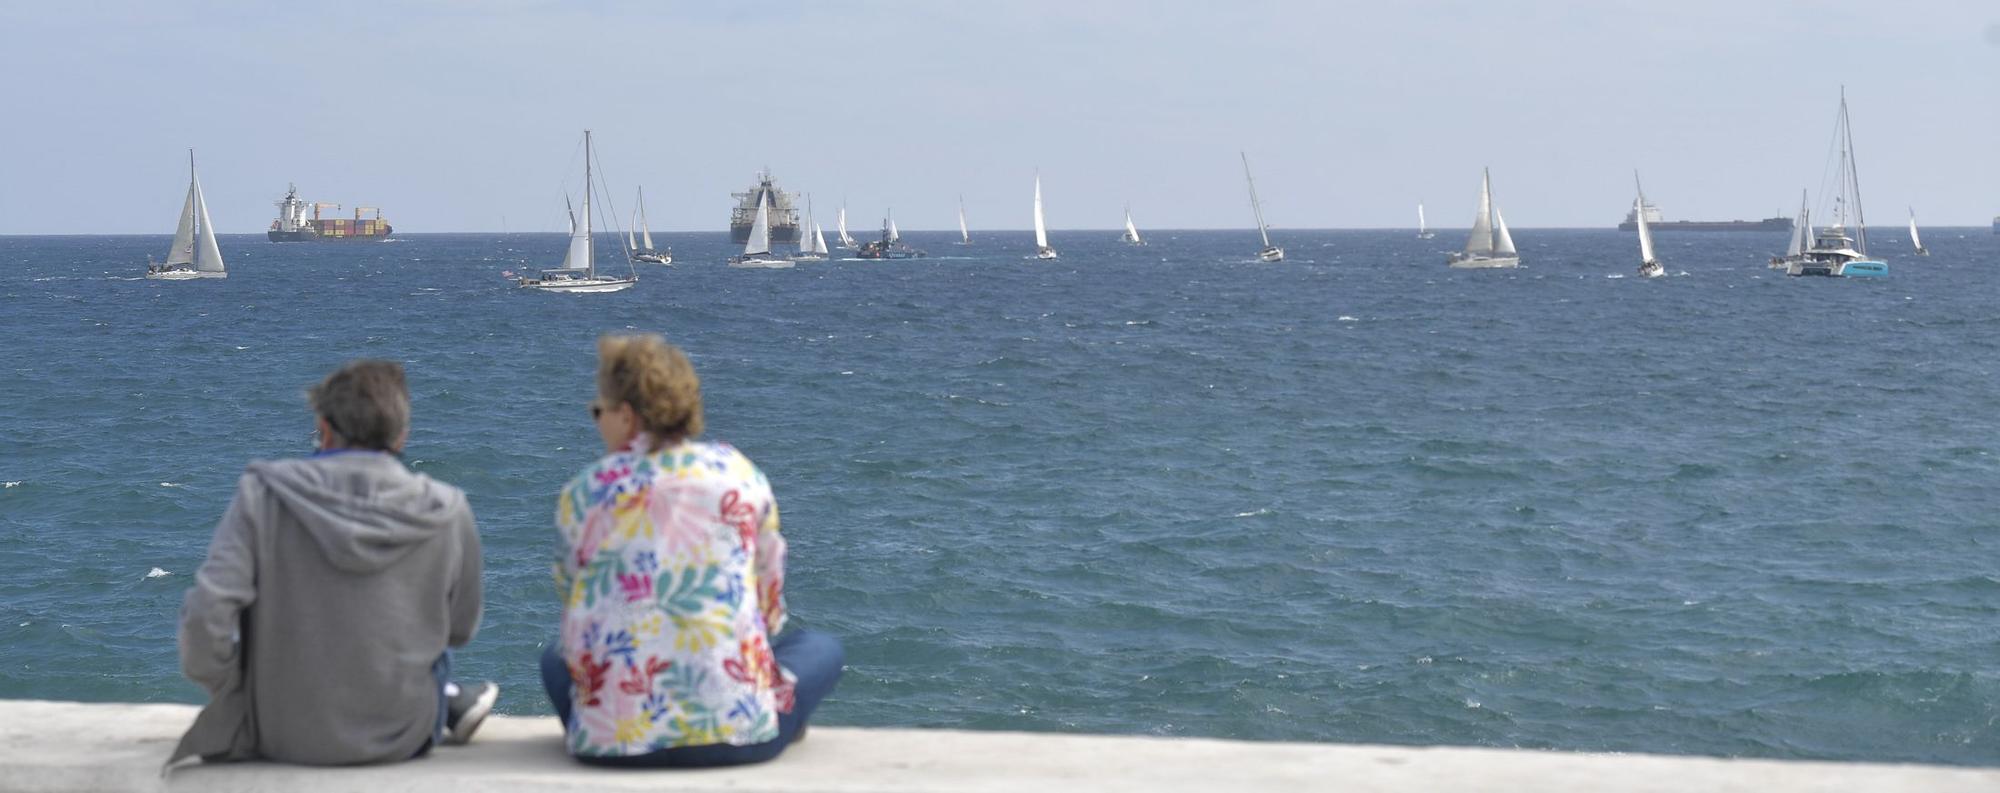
x: 363, y: 509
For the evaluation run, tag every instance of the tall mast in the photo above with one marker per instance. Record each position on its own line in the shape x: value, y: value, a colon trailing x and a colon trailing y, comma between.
x: 1853, y: 174
x: 1255, y: 207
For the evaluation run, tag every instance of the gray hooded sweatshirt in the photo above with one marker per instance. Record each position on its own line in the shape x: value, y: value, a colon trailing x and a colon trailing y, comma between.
x: 331, y: 587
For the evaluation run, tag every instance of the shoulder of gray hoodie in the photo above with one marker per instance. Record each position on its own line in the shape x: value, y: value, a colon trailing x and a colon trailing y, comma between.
x: 303, y: 546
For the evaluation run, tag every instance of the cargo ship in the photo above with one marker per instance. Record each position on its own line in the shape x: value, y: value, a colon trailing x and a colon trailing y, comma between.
x: 292, y: 224
x: 784, y: 215
x: 1656, y: 223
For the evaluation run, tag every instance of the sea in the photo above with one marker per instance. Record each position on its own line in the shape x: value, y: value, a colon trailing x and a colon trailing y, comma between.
x: 1167, y: 490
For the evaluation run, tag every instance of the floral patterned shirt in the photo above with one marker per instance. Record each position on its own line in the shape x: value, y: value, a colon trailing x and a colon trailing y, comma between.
x: 672, y: 573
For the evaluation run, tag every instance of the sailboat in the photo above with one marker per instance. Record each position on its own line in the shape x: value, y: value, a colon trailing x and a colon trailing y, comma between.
x: 1914, y: 240
x: 1270, y: 253
x: 1131, y: 236
x: 644, y: 251
x: 812, y: 247
x: 964, y: 236
x: 1490, y: 244
x: 841, y: 226
x: 1832, y: 252
x: 1649, y: 265
x: 578, y: 272
x: 1801, y: 232
x: 757, y: 252
x: 1423, y: 231
x: 194, y: 253
x: 1042, y: 249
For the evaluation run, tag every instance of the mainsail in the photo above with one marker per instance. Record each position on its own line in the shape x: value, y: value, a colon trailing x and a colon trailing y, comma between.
x: 645, y: 233
x: 1914, y: 241
x: 807, y: 243
x: 1131, y: 231
x: 760, y: 230
x: 964, y: 236
x: 1256, y: 207
x: 1041, y: 226
x: 841, y: 226
x: 1420, y: 218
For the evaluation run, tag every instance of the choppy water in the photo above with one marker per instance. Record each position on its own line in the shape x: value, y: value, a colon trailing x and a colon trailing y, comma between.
x: 1353, y: 497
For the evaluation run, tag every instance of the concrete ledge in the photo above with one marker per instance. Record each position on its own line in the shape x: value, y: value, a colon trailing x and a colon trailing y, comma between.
x: 66, y: 746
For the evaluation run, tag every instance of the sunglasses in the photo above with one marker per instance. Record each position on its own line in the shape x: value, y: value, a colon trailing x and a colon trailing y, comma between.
x: 596, y: 411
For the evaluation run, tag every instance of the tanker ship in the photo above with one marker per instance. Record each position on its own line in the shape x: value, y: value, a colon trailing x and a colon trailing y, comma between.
x: 292, y: 224
x: 1655, y: 222
x: 784, y: 216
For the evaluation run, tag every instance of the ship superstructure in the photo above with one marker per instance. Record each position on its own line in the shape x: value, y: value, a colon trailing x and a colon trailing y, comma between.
x: 1657, y: 223
x: 784, y: 215
x: 292, y: 224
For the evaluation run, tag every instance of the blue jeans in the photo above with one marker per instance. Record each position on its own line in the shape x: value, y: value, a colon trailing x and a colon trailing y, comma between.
x: 440, y: 669
x: 811, y: 656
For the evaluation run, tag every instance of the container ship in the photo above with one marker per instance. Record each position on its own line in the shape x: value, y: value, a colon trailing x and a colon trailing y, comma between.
x: 1655, y: 222
x: 292, y: 224
x: 784, y: 216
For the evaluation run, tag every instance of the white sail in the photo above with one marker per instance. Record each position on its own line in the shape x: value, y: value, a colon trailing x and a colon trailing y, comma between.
x: 841, y: 226
x: 1041, y: 226
x: 806, y: 243
x: 1503, y: 242
x: 207, y: 256
x: 760, y: 230
x: 630, y: 244
x: 1914, y: 241
x: 182, y: 251
x: 819, y: 239
x: 645, y: 233
x: 1802, y: 229
x: 1256, y: 207
x: 964, y: 236
x: 894, y: 235
x: 1420, y: 218
x: 1645, y: 233
x: 579, y: 255
x: 1481, y: 241
x: 1131, y: 231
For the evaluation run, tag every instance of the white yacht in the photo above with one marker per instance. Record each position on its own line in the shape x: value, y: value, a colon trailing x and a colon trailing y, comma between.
x: 1270, y: 253
x: 643, y: 250
x: 1042, y: 249
x: 757, y: 252
x: 1649, y: 265
x: 812, y: 244
x: 1131, y: 235
x: 1489, y: 246
x: 1832, y: 252
x: 578, y: 273
x: 194, y: 253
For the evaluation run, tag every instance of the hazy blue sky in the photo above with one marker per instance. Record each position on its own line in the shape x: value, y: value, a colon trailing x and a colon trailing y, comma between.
x: 453, y: 115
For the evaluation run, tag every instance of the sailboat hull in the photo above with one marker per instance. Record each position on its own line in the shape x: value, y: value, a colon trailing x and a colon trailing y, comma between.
x: 1464, y: 262
x: 760, y: 263
x: 1046, y: 253
x: 580, y: 285
x: 1651, y: 270
x: 182, y: 275
x: 1271, y: 254
x: 654, y: 257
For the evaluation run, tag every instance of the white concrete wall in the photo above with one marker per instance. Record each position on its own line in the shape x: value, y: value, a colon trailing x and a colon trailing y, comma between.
x: 66, y: 746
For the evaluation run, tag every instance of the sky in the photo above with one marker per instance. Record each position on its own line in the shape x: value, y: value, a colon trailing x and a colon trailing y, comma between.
x: 468, y: 116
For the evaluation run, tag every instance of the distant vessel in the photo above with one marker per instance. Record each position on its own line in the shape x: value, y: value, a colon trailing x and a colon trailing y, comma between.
x: 1649, y: 265
x: 783, y: 215
x: 292, y: 224
x: 964, y: 236
x: 1489, y: 246
x: 757, y: 250
x: 1832, y: 252
x: 1423, y: 232
x: 1042, y: 249
x: 1131, y: 235
x: 1270, y: 253
x: 1915, y: 242
x: 578, y: 273
x: 1655, y: 220
x: 1996, y: 224
x: 812, y: 246
x: 890, y: 246
x: 644, y: 251
x: 194, y: 253
x: 1800, y: 236
x: 845, y: 241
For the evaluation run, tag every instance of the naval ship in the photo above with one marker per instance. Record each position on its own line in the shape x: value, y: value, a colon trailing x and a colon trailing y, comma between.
x: 292, y: 224
x: 784, y: 215
x: 1655, y: 222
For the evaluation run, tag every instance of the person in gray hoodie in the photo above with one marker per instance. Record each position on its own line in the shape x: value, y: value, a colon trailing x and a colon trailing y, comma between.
x: 320, y: 622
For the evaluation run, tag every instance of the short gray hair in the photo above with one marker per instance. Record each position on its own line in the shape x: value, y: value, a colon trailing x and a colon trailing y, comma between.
x: 366, y: 402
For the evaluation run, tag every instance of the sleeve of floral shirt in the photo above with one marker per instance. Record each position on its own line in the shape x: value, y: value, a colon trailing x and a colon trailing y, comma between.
x: 771, y: 571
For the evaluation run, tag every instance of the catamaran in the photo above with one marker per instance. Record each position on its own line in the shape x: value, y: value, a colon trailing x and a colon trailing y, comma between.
x: 578, y: 272
x: 1832, y: 252
x: 1131, y: 235
x: 964, y: 236
x: 1914, y: 240
x: 643, y: 250
x: 812, y: 244
x: 1423, y: 232
x: 757, y: 252
x: 1649, y: 265
x: 1042, y: 249
x: 1270, y: 253
x: 1490, y: 245
x: 194, y: 253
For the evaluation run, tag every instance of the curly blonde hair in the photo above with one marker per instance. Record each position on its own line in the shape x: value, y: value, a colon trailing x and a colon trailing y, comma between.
x: 656, y: 379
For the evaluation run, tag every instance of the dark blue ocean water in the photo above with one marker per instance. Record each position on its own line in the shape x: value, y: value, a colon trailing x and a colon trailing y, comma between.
x: 1352, y: 497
